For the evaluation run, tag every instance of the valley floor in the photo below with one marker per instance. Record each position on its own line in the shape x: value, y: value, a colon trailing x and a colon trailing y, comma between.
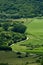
x: 31, y: 49
x: 13, y: 58
x: 34, y: 33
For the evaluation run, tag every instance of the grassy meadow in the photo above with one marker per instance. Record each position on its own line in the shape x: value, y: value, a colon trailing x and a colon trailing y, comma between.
x: 35, y: 36
x: 13, y: 58
x: 29, y: 51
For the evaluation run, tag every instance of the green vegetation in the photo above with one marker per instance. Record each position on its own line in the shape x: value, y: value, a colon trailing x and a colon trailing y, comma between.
x: 5, y: 48
x: 21, y: 41
x: 20, y: 8
x: 16, y: 58
x: 18, y: 27
x: 34, y: 32
x: 3, y: 63
x: 21, y: 32
x: 42, y: 61
x: 11, y: 33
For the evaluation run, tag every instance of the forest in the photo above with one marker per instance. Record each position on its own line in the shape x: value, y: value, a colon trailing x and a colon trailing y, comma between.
x: 14, y: 9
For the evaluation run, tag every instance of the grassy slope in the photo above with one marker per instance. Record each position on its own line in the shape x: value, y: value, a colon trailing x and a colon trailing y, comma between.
x: 35, y: 34
x: 35, y: 37
x: 12, y: 59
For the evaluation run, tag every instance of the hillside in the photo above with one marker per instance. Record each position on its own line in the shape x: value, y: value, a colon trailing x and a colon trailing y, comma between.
x: 21, y: 32
x: 34, y: 31
x: 20, y: 8
x: 15, y: 48
x: 12, y: 58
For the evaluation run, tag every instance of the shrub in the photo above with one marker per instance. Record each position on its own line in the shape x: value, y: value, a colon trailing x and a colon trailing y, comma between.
x: 42, y: 61
x: 38, y: 60
x: 18, y: 53
x: 19, y: 27
x: 17, y: 37
x: 27, y: 63
x: 0, y: 25
x: 26, y: 54
x: 3, y: 63
x: 19, y: 56
x: 5, y: 48
x: 5, y: 26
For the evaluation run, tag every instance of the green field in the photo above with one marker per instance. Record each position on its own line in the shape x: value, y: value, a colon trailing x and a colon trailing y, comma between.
x: 12, y: 58
x: 35, y: 36
x: 31, y: 49
x: 21, y: 32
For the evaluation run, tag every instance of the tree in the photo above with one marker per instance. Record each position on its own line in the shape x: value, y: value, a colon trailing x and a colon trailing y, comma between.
x: 5, y: 48
x: 17, y: 37
x: 42, y: 61
x: 5, y: 26
x: 3, y: 63
x: 19, y: 27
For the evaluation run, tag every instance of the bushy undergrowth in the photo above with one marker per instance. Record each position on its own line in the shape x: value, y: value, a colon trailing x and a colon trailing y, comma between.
x: 11, y: 33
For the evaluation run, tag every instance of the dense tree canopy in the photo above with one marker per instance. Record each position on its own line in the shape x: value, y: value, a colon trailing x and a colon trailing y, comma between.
x: 19, y: 27
x: 20, y: 8
x: 12, y: 32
